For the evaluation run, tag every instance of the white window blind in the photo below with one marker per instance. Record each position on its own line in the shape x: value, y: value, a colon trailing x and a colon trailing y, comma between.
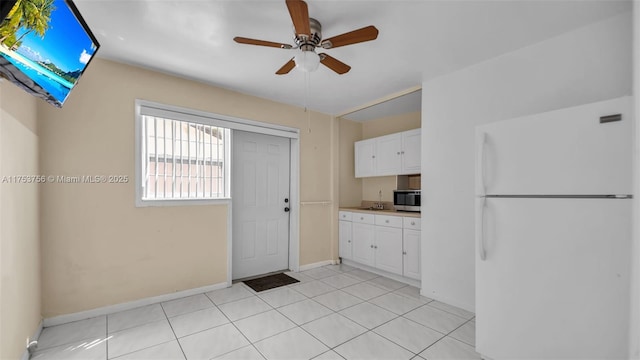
x: 183, y: 160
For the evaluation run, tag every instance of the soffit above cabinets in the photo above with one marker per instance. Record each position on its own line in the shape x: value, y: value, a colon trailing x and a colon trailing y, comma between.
x: 407, y: 103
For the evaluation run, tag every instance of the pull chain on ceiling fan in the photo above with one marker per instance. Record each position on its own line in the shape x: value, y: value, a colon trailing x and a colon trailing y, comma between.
x: 308, y: 37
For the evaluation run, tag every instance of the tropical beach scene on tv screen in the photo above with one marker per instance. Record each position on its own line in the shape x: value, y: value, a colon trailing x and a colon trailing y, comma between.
x: 44, y: 41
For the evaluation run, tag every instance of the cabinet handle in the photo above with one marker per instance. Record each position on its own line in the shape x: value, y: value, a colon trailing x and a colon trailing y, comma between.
x: 372, y: 246
x: 398, y: 153
x: 387, y: 221
x: 404, y: 253
x: 413, y: 223
x: 373, y: 156
x: 361, y: 218
x: 402, y: 152
x: 375, y: 247
x: 348, y: 241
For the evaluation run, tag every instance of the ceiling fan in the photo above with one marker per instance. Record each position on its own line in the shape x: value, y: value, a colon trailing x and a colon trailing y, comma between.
x: 308, y: 36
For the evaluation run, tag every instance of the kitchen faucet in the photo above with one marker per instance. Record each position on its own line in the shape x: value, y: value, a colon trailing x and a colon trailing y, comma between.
x: 379, y: 205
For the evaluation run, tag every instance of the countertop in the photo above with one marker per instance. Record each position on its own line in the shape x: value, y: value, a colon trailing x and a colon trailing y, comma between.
x: 381, y: 212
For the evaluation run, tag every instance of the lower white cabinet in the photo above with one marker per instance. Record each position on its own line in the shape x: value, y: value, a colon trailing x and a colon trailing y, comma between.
x: 411, y: 253
x: 362, y: 236
x: 389, y: 243
x: 345, y: 248
x: 387, y: 248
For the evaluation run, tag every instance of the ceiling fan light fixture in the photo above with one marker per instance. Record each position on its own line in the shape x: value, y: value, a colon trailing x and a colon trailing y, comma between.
x: 307, y: 61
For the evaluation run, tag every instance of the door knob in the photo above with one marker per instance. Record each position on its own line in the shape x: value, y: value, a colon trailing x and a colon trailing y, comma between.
x: 286, y: 209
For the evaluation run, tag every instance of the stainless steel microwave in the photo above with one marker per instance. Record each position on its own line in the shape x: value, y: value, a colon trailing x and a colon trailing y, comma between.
x: 406, y: 200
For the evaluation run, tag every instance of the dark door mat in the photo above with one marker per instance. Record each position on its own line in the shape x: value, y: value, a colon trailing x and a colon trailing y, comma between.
x: 270, y: 282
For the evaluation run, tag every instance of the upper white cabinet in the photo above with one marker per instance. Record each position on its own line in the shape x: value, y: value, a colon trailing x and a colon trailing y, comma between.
x: 388, y: 152
x: 411, y: 141
x: 395, y: 154
x: 365, y: 158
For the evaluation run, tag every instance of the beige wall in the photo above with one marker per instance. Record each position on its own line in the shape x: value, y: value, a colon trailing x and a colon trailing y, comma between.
x: 379, y: 127
x: 19, y: 239
x: 391, y: 124
x: 98, y: 248
x: 318, y: 219
x: 350, y: 187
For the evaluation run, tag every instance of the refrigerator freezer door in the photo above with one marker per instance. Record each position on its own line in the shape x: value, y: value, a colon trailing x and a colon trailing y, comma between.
x: 563, y: 152
x: 555, y: 282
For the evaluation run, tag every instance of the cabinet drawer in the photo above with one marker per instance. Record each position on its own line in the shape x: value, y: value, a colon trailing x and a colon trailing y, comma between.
x: 391, y: 221
x: 344, y: 215
x: 363, y: 218
x: 411, y: 223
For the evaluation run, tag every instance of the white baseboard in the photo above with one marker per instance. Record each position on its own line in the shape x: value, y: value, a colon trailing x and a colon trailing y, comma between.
x: 35, y: 336
x: 318, y: 264
x: 452, y: 302
x: 63, y: 319
x: 400, y: 278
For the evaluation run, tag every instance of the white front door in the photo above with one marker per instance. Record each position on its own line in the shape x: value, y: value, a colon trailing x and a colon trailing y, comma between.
x: 260, y: 192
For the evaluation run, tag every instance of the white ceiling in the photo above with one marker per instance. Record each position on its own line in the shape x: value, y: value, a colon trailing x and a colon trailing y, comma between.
x: 418, y: 40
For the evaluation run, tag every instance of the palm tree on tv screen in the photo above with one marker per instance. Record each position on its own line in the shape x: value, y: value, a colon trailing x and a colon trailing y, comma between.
x: 30, y: 15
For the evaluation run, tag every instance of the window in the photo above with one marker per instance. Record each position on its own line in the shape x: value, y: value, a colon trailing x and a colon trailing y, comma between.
x: 181, y: 159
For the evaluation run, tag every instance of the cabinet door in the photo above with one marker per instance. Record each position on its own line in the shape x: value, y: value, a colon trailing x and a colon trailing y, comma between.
x: 388, y: 249
x: 365, y: 159
x: 362, y: 243
x: 411, y: 254
x: 388, y: 155
x: 411, y: 149
x: 344, y: 248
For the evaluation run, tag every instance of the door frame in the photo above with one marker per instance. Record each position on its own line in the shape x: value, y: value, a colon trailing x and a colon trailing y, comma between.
x: 294, y: 194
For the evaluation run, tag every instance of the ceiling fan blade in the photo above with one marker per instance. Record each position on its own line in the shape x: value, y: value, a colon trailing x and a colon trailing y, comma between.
x: 243, y: 40
x: 300, y: 16
x: 286, y: 67
x: 334, y: 64
x: 353, y: 37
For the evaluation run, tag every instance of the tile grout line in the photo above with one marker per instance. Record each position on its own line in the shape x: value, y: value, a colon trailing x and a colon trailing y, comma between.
x: 240, y: 331
x: 145, y: 348
x: 173, y: 331
x: 313, y: 298
x: 387, y: 291
x: 106, y: 345
x: 462, y: 341
x: 448, y: 335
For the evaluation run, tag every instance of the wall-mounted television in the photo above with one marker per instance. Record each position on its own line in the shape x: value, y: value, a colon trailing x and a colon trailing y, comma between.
x: 45, y: 46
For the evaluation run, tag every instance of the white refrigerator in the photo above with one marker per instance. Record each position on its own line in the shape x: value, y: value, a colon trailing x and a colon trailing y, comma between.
x: 553, y: 234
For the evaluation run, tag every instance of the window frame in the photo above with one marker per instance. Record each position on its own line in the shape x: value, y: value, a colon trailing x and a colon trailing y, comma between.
x: 149, y: 108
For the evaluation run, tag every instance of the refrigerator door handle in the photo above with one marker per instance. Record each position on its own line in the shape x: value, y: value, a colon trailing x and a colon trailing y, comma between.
x: 480, y: 205
x: 480, y: 142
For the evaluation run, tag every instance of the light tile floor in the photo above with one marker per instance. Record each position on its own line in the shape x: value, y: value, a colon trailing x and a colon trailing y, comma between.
x: 334, y: 312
